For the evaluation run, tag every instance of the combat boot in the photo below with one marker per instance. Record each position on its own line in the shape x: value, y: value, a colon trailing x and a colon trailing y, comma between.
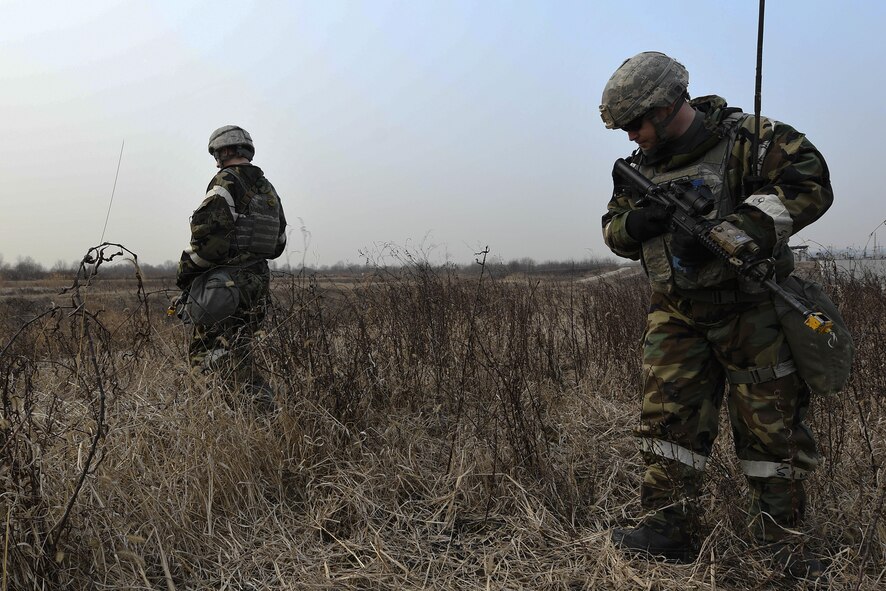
x: 644, y: 539
x: 798, y: 563
x: 261, y: 396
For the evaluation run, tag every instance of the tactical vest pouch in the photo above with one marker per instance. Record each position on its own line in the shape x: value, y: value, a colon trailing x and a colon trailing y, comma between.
x: 258, y: 230
x: 212, y: 297
x: 823, y: 360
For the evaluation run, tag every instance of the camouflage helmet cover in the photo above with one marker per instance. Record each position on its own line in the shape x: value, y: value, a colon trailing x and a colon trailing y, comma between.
x: 232, y: 136
x: 649, y: 79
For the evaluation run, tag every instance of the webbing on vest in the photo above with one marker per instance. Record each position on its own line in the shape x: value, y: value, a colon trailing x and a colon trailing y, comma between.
x: 258, y: 229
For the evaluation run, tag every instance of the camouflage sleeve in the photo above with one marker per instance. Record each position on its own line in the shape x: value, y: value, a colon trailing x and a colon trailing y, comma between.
x: 213, y: 238
x: 281, y: 239
x: 614, y: 233
x: 796, y: 187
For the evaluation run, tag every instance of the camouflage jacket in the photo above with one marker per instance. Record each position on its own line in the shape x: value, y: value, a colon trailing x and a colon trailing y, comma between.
x: 794, y: 192
x: 214, y: 229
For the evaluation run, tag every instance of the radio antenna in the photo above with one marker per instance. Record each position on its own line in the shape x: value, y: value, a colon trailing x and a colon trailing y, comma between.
x: 119, y: 160
x: 758, y: 90
x: 752, y: 179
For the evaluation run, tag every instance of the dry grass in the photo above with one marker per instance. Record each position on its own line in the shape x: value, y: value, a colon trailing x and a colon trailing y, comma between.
x: 435, y: 432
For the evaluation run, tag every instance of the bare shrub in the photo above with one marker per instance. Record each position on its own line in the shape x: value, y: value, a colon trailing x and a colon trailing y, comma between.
x: 436, y: 430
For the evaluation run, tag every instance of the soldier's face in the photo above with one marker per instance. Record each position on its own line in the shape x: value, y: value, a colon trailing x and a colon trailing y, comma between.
x: 644, y: 135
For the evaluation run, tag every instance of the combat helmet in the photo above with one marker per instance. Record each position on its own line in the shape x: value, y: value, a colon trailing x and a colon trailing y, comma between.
x: 647, y: 80
x: 232, y: 136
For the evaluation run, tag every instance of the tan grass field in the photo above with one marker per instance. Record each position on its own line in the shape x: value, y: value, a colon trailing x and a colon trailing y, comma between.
x: 435, y: 432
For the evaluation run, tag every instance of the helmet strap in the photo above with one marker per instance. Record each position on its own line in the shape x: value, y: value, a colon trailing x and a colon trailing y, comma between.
x: 222, y: 155
x: 660, y: 125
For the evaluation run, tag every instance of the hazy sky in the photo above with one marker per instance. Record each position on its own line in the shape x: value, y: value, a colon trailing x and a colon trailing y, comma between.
x: 439, y: 126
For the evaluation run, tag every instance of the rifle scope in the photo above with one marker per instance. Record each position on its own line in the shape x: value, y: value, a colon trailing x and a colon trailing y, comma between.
x: 692, y: 199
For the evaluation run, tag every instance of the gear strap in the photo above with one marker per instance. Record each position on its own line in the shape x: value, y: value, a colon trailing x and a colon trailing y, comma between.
x: 248, y: 190
x: 660, y: 125
x: 758, y: 375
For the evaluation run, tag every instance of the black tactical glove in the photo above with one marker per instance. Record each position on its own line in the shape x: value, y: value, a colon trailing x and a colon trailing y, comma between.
x: 647, y: 222
x: 689, y: 252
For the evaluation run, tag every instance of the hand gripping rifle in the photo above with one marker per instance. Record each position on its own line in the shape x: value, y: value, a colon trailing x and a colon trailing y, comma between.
x: 688, y: 206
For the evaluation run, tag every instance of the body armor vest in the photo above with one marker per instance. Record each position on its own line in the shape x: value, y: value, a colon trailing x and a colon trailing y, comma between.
x: 666, y: 274
x: 258, y: 227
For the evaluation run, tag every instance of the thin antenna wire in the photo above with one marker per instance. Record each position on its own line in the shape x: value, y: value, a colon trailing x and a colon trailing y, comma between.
x: 873, y: 235
x: 758, y: 88
x: 119, y: 160
x: 752, y: 180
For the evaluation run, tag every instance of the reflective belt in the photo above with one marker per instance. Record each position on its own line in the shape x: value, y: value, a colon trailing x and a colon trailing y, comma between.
x: 757, y: 469
x: 758, y: 375
x: 672, y: 451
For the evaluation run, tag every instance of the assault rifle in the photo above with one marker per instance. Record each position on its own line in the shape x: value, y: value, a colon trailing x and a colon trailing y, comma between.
x: 687, y: 206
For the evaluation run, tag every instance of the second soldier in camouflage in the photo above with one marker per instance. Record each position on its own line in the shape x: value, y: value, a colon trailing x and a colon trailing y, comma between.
x: 239, y: 226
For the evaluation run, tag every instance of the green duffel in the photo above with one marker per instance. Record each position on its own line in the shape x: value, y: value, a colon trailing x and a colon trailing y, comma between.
x: 823, y: 360
x: 212, y: 297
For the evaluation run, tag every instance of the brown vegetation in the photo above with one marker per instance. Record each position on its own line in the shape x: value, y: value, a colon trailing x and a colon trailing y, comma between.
x: 436, y: 431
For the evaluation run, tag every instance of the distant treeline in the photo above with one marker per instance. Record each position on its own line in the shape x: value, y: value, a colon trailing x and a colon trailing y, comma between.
x: 27, y: 269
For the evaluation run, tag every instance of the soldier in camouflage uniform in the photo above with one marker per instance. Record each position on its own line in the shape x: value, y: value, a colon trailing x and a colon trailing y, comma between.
x: 239, y: 225
x: 707, y: 327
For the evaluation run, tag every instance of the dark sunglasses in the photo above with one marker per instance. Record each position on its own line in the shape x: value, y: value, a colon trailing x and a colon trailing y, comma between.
x: 636, y: 123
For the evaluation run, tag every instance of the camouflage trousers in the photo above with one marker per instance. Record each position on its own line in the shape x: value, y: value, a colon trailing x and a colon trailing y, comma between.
x: 691, y: 351
x: 225, y: 349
